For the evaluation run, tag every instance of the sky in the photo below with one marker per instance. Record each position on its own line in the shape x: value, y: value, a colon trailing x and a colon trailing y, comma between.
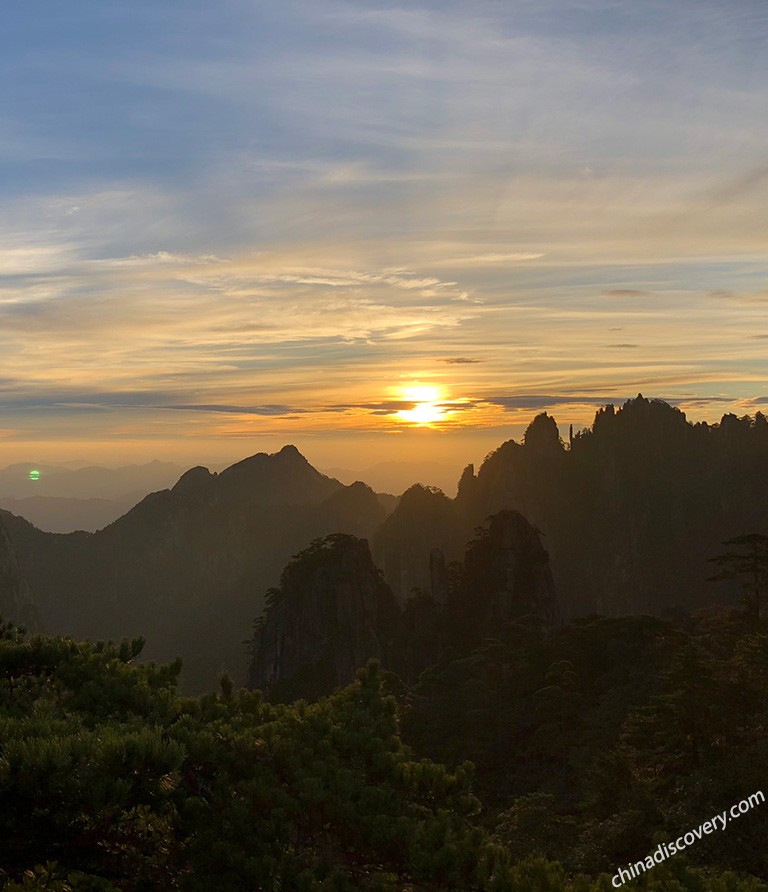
x: 374, y: 230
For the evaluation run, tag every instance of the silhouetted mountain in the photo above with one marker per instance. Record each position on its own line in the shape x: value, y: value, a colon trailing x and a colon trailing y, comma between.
x: 333, y: 610
x: 634, y: 508
x: 397, y: 476
x: 630, y: 511
x: 62, y: 499
x: 15, y: 597
x: 425, y: 519
x: 331, y: 613
x: 506, y: 578
x: 187, y: 566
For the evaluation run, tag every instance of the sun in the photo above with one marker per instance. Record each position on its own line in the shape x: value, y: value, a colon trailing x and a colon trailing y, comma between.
x: 428, y: 409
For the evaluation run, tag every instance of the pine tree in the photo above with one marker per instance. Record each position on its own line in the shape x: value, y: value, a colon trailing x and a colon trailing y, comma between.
x: 746, y: 561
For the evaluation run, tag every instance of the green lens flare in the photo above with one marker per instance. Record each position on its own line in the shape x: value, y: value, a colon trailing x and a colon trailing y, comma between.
x: 34, y: 475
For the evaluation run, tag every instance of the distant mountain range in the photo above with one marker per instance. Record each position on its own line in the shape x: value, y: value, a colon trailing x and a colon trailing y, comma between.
x: 63, y: 498
x: 60, y: 515
x: 396, y: 476
x: 26, y: 479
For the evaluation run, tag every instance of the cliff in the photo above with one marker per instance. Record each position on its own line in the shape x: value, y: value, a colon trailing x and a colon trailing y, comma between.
x: 506, y: 578
x: 632, y: 508
x: 330, y: 614
x: 424, y: 521
x: 15, y: 597
x: 333, y: 611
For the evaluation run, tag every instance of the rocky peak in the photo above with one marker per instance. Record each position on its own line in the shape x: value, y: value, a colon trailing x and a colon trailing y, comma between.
x: 331, y: 613
x: 506, y: 577
x: 289, y: 453
x: 355, y: 509
x: 193, y: 480
x: 467, y: 485
x: 284, y: 477
x: 425, y: 519
x: 542, y: 434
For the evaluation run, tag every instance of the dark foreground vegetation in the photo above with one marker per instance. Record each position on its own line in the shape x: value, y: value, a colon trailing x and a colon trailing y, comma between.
x: 591, y: 744
x: 495, y: 743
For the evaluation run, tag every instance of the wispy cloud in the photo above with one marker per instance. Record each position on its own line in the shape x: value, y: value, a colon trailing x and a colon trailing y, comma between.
x: 625, y: 292
x: 278, y: 215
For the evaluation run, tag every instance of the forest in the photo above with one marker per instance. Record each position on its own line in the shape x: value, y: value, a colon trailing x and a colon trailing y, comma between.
x: 531, y: 764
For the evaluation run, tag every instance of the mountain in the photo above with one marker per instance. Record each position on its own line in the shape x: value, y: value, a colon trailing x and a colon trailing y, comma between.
x: 16, y: 603
x: 506, y: 578
x: 188, y: 566
x: 333, y: 610
x: 423, y: 520
x: 331, y: 613
x: 632, y: 508
x: 629, y: 512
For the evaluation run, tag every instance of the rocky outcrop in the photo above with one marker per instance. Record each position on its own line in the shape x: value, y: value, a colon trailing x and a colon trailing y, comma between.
x: 353, y: 509
x: 633, y: 508
x: 15, y: 597
x: 193, y: 480
x: 506, y: 578
x: 333, y: 610
x: 330, y: 614
x: 424, y: 520
x: 438, y: 577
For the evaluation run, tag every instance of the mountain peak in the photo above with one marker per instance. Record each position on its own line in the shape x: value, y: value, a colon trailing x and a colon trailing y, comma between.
x: 193, y: 479
x: 289, y: 451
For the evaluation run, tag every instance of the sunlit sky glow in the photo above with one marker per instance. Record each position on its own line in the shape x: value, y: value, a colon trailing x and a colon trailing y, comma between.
x: 227, y: 226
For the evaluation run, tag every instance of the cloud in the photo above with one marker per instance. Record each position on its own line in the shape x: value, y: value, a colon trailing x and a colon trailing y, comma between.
x: 293, y: 208
x: 541, y: 402
x: 33, y: 260
x: 626, y: 292
x: 238, y: 410
x: 735, y: 187
x: 743, y: 297
x: 481, y: 259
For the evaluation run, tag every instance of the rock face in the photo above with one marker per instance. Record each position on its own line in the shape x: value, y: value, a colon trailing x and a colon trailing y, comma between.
x: 631, y: 509
x: 15, y: 597
x: 331, y: 613
x: 424, y: 520
x: 438, y: 577
x: 506, y: 578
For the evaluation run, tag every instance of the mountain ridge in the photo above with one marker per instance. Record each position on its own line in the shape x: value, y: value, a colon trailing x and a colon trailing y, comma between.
x: 190, y: 561
x: 617, y: 507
